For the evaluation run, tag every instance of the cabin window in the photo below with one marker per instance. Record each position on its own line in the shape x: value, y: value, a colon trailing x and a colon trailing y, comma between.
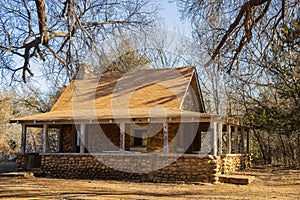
x: 140, y: 137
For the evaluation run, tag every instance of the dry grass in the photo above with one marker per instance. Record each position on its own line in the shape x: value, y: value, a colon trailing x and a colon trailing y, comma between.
x: 269, y: 184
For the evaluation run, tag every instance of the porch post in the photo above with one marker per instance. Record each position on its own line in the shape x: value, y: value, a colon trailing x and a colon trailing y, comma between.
x: 58, y: 141
x: 236, y: 139
x: 248, y: 142
x: 122, y: 136
x: 82, y: 138
x: 45, y: 138
x: 242, y: 140
x: 166, y: 135
x: 220, y: 137
x: 23, y: 142
x: 213, y: 137
x: 228, y: 127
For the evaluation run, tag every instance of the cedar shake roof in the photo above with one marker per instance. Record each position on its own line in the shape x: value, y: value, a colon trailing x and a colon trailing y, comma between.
x: 136, y: 94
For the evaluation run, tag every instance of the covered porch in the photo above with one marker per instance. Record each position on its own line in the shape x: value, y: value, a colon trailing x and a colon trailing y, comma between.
x: 198, y: 135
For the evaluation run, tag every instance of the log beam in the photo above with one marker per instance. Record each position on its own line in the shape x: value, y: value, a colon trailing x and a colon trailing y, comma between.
x: 58, y: 141
x: 82, y: 138
x: 228, y: 127
x: 122, y: 136
x: 166, y: 136
x: 23, y: 142
x: 248, y: 142
x: 45, y: 138
x: 236, y: 139
x: 220, y: 134
x: 242, y: 140
x: 213, y: 138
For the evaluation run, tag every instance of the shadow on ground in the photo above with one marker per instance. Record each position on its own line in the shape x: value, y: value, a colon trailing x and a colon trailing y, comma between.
x: 7, y: 166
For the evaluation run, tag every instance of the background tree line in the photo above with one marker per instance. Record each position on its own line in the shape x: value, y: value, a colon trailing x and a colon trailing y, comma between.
x: 254, y: 46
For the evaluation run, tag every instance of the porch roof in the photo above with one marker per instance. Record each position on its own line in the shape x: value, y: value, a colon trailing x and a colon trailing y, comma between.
x: 115, y: 114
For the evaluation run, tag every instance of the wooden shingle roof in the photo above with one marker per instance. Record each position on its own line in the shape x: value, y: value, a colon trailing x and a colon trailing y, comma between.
x: 143, y: 93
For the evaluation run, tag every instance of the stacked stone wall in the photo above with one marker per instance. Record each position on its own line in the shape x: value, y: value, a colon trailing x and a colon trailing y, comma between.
x: 156, y: 167
x: 234, y: 162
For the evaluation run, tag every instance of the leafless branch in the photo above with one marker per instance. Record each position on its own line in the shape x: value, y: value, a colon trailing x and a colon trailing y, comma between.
x: 65, y: 35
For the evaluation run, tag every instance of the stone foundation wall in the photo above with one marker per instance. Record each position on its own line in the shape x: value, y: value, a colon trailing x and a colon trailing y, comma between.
x: 234, y: 162
x: 155, y: 167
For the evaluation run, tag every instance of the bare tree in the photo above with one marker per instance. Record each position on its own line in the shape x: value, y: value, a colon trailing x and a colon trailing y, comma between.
x: 60, y: 32
x: 257, y: 43
x: 267, y: 88
x: 166, y: 48
x: 241, y: 22
x: 153, y: 47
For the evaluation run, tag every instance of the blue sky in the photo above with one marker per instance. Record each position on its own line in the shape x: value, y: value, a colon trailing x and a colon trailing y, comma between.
x: 172, y: 18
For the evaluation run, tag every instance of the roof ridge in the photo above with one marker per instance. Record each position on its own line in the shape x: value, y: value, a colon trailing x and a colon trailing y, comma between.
x: 136, y: 70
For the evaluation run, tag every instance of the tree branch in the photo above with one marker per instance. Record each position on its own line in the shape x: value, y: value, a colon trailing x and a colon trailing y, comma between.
x: 109, y: 22
x: 56, y: 55
x: 248, y: 5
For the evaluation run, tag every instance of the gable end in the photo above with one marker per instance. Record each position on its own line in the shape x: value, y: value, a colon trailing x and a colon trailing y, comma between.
x: 193, y: 100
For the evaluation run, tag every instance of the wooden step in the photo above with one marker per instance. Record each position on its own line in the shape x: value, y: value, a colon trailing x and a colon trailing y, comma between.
x: 18, y: 174
x: 236, y: 179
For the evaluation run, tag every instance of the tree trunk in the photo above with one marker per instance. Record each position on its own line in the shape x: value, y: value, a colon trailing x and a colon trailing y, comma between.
x: 261, y: 145
x: 283, y: 149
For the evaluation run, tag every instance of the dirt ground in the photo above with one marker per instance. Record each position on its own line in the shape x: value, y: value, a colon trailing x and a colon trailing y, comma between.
x: 270, y: 183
